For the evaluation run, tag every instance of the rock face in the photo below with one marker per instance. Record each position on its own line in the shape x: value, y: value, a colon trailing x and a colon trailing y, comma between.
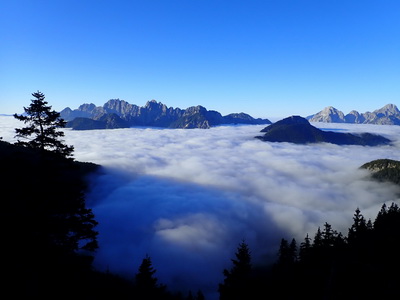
x: 107, y: 121
x: 298, y: 130
x: 330, y: 115
x: 387, y: 115
x: 384, y: 170
x: 119, y: 114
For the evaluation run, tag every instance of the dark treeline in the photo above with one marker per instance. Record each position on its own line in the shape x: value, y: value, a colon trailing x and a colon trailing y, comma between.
x: 364, y: 264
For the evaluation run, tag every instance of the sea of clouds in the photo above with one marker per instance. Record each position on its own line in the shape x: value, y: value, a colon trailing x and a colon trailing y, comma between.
x: 187, y: 198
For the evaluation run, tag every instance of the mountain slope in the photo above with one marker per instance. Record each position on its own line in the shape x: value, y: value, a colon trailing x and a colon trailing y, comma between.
x: 298, y: 130
x: 154, y: 114
x: 384, y: 170
x: 330, y: 115
x: 387, y: 115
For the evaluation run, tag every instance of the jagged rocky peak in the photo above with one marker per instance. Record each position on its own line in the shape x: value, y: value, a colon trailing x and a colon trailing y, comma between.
x: 241, y: 115
x: 121, y: 108
x: 387, y: 110
x: 387, y: 115
x: 154, y: 105
x: 354, y: 117
x: 195, y: 110
x: 66, y: 111
x: 87, y: 107
x: 152, y: 114
x: 329, y: 114
x: 116, y: 104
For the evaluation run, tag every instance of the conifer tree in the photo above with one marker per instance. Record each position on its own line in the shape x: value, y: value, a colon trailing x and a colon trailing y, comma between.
x: 200, y: 295
x: 387, y: 227
x: 146, y: 282
x: 381, y: 216
x: 237, y: 280
x: 145, y: 278
x: 357, y: 231
x: 328, y: 235
x: 190, y: 296
x: 283, y: 252
x: 287, y: 254
x: 42, y: 130
x: 318, y: 239
x: 305, y: 247
x: 293, y: 251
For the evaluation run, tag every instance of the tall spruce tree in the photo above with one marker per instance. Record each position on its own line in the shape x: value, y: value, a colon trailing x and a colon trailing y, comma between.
x: 359, y: 230
x: 237, y: 280
x: 146, y: 283
x: 50, y: 232
x: 304, y: 252
x: 42, y: 130
x: 287, y: 254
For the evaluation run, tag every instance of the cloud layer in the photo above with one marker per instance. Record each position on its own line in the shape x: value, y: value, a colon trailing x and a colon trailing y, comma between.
x: 188, y: 197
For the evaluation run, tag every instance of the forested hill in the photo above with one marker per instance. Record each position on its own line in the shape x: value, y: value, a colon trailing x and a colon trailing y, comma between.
x: 384, y: 170
x: 43, y: 217
x: 298, y: 130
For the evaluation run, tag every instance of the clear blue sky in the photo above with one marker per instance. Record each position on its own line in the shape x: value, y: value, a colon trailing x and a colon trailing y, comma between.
x: 267, y: 58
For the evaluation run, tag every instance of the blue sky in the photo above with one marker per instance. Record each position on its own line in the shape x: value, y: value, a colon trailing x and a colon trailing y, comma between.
x: 267, y: 58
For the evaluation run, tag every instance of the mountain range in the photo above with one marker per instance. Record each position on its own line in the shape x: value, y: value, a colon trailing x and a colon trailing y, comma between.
x: 387, y: 115
x: 298, y: 130
x: 117, y: 113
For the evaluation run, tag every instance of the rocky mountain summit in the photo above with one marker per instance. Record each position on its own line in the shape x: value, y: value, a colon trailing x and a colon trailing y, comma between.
x: 387, y: 115
x: 298, y: 130
x: 120, y: 114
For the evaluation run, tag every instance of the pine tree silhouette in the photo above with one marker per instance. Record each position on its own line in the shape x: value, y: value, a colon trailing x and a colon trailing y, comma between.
x: 42, y: 130
x: 237, y: 280
x: 146, y: 283
x: 304, y: 253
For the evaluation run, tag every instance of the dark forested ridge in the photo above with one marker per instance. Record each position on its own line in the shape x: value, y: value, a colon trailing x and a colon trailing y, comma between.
x: 362, y: 263
x: 298, y: 130
x: 384, y: 170
x: 45, y: 223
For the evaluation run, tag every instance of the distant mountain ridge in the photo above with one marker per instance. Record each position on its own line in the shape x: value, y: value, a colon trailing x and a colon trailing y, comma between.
x: 387, y: 115
x: 298, y: 130
x: 117, y: 113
